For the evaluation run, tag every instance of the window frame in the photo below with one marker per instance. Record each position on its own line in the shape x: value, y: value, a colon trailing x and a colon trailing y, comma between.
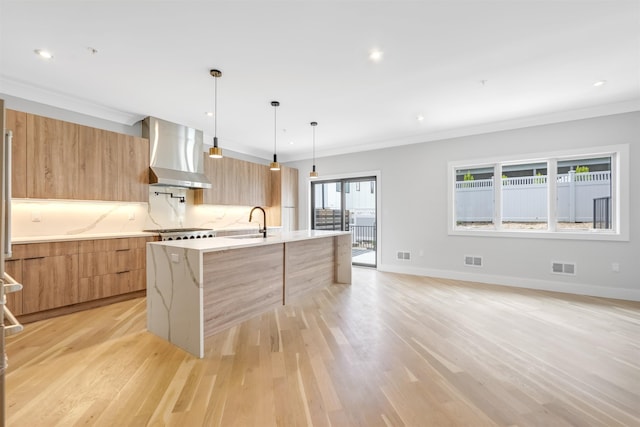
x: 619, y: 192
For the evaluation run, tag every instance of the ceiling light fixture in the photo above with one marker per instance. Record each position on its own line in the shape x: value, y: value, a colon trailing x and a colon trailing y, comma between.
x: 275, y: 166
x: 215, y: 152
x: 375, y: 55
x: 44, y: 53
x: 314, y: 173
x: 420, y: 117
x: 600, y: 83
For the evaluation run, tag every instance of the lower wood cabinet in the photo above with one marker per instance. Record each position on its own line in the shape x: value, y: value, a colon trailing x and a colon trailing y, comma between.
x: 111, y: 267
x: 49, y: 282
x: 60, y: 274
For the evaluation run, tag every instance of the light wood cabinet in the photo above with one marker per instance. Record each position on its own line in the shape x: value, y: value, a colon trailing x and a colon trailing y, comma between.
x: 235, y: 182
x: 49, y: 275
x: 60, y: 274
x: 283, y: 209
x: 16, y: 121
x: 111, y: 267
x: 52, y: 158
x: 133, y: 168
x: 97, y: 164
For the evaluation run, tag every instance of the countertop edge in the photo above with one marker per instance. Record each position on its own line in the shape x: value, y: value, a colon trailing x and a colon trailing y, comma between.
x: 72, y: 237
x: 225, y: 243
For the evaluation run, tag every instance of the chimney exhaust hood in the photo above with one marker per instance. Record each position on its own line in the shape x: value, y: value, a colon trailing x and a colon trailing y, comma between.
x: 176, y: 154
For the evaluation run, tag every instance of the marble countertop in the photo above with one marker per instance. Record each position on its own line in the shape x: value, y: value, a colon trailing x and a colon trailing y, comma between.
x: 70, y: 237
x: 234, y: 242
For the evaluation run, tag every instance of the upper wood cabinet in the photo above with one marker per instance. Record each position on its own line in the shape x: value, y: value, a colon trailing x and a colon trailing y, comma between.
x: 54, y: 159
x: 133, y: 168
x: 284, y: 199
x: 235, y: 182
x: 16, y: 121
x: 98, y: 164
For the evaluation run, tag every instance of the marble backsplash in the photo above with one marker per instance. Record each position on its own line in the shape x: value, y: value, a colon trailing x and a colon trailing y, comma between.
x: 36, y: 217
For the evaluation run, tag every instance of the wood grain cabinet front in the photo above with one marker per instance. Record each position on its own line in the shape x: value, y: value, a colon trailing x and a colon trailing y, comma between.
x: 54, y: 159
x: 111, y: 267
x: 60, y: 274
x: 49, y: 275
x: 235, y: 182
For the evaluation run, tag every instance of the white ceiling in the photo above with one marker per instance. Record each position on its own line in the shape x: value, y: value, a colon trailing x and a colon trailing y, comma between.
x: 466, y: 66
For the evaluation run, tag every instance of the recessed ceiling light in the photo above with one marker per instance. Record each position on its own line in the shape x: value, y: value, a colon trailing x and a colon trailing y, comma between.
x: 291, y: 143
x: 420, y: 117
x: 43, y: 53
x: 376, y: 55
x: 209, y: 113
x: 600, y: 83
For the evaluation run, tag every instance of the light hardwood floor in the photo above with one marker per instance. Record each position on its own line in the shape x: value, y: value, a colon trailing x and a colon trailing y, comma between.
x: 391, y: 349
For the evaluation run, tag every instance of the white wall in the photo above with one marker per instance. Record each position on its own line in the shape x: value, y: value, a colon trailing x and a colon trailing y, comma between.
x: 414, y: 216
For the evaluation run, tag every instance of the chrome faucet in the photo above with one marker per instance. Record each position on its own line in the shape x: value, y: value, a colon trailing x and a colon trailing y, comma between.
x: 264, y: 215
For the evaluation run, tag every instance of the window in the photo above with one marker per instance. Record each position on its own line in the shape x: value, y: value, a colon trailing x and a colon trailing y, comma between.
x: 564, y: 195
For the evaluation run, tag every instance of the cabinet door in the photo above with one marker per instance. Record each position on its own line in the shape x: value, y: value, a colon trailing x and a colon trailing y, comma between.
x: 133, y: 168
x: 98, y: 164
x: 289, y: 187
x: 52, y: 162
x: 214, y: 169
x: 14, y: 299
x: 17, y: 123
x: 49, y: 282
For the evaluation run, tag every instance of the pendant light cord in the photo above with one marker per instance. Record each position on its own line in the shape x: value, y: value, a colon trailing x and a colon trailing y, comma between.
x: 275, y: 130
x: 215, y: 108
x: 314, y: 145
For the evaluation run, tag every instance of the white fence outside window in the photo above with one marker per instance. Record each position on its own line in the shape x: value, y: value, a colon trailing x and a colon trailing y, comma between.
x: 524, y: 199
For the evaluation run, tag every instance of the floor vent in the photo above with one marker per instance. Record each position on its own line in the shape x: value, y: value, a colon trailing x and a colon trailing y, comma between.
x: 473, y: 261
x: 404, y: 256
x: 563, y: 268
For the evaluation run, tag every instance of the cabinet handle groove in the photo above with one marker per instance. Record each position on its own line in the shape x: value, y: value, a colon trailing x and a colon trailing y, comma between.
x: 122, y: 272
x: 35, y: 257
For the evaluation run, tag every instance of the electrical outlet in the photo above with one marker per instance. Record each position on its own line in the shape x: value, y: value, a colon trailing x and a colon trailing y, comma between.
x: 35, y: 216
x: 615, y: 267
x: 175, y: 258
x: 132, y: 216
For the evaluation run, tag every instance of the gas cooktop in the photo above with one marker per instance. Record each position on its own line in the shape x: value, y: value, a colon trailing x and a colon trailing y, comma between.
x: 183, y: 233
x: 176, y: 230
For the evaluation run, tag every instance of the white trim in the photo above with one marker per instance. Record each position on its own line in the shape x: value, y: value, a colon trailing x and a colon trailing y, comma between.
x: 620, y: 189
x: 518, y: 282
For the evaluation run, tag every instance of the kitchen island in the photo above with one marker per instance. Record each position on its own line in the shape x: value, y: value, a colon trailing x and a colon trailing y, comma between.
x: 198, y: 287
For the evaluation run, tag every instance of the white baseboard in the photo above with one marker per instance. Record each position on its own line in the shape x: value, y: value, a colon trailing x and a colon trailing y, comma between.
x: 519, y: 282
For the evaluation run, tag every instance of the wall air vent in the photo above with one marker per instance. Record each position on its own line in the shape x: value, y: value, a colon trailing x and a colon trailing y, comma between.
x: 473, y: 261
x: 563, y: 268
x: 405, y: 256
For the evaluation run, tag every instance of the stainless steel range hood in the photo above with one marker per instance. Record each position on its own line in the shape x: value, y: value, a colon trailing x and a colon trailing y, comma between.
x: 175, y: 153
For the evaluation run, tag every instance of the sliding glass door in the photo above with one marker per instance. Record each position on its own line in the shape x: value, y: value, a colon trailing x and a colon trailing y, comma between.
x: 350, y: 205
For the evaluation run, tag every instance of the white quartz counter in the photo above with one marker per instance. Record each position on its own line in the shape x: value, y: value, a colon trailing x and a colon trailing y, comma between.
x: 231, y: 242
x: 70, y: 237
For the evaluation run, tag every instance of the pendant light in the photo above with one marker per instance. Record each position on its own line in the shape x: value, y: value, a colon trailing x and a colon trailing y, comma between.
x: 275, y: 166
x: 314, y: 173
x: 215, y: 152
